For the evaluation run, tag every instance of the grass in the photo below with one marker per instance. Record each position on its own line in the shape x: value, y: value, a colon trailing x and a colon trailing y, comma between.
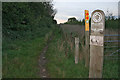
x: 20, y: 58
x: 78, y: 29
x: 62, y: 66
x: 110, y: 68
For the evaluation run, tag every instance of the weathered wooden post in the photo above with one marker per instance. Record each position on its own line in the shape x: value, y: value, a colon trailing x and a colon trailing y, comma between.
x: 0, y: 40
x: 96, y: 44
x: 76, y: 50
x: 87, y: 38
x: 71, y: 42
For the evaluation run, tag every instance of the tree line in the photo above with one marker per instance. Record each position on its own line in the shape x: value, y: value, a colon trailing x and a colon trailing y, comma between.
x: 21, y: 18
x: 110, y: 21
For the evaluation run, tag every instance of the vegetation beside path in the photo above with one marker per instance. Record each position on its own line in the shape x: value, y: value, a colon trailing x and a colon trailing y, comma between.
x: 25, y: 31
x: 20, y: 58
x: 61, y: 60
x: 61, y: 66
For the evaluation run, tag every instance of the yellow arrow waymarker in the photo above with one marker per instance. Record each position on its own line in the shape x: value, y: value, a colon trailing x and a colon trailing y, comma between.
x: 86, y: 20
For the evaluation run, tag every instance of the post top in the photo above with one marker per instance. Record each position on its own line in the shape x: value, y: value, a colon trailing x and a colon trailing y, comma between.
x: 97, y: 22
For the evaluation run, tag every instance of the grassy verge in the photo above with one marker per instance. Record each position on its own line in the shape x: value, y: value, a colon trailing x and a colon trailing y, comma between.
x: 110, y: 68
x: 61, y: 66
x: 20, y: 58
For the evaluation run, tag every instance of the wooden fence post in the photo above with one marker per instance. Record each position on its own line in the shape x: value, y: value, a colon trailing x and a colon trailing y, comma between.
x: 76, y: 50
x: 0, y: 40
x: 87, y: 38
x: 97, y: 44
x: 71, y: 42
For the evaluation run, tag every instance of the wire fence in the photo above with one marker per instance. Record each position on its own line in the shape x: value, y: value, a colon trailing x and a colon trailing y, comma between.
x: 112, y: 47
x: 106, y: 35
x: 112, y: 41
x: 112, y: 51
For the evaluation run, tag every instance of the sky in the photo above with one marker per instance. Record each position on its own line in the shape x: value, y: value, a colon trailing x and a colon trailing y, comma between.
x: 75, y: 8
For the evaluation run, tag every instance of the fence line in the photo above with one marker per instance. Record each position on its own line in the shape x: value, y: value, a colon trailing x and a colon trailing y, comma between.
x: 115, y: 52
x: 111, y: 58
x: 113, y: 41
x: 112, y: 46
x: 108, y: 51
x: 111, y: 35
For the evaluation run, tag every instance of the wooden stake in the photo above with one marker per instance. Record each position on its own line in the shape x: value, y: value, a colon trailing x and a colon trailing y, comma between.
x: 76, y: 50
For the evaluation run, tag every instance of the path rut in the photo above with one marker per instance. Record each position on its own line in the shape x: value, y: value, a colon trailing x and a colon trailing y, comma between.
x: 43, y: 61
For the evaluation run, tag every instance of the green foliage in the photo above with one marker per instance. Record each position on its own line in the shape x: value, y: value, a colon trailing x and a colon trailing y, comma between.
x: 110, y: 68
x: 112, y: 24
x: 24, y: 27
x: 60, y: 65
x: 20, y: 58
x: 29, y: 17
x: 73, y: 20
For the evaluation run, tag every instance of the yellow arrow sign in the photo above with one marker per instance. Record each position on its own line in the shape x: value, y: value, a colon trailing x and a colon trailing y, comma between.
x: 86, y: 20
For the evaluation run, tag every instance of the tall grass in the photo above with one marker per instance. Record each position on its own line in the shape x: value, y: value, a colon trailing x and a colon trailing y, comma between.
x: 20, y: 56
x: 61, y: 60
x: 61, y: 56
x: 111, y: 65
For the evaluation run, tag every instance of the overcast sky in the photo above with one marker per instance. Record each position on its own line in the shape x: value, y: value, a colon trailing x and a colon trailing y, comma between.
x: 75, y: 8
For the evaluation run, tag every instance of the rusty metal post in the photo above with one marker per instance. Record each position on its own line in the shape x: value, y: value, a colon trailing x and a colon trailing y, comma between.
x: 96, y: 44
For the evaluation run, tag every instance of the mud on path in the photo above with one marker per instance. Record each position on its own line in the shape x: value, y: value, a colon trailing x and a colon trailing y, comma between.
x: 43, y: 61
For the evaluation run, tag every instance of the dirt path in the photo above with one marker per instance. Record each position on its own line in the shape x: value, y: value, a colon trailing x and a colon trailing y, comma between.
x: 42, y: 62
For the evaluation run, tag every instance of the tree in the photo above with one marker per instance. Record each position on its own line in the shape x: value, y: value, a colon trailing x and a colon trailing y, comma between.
x: 83, y: 21
x: 109, y: 15
x: 73, y: 19
x: 27, y: 16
